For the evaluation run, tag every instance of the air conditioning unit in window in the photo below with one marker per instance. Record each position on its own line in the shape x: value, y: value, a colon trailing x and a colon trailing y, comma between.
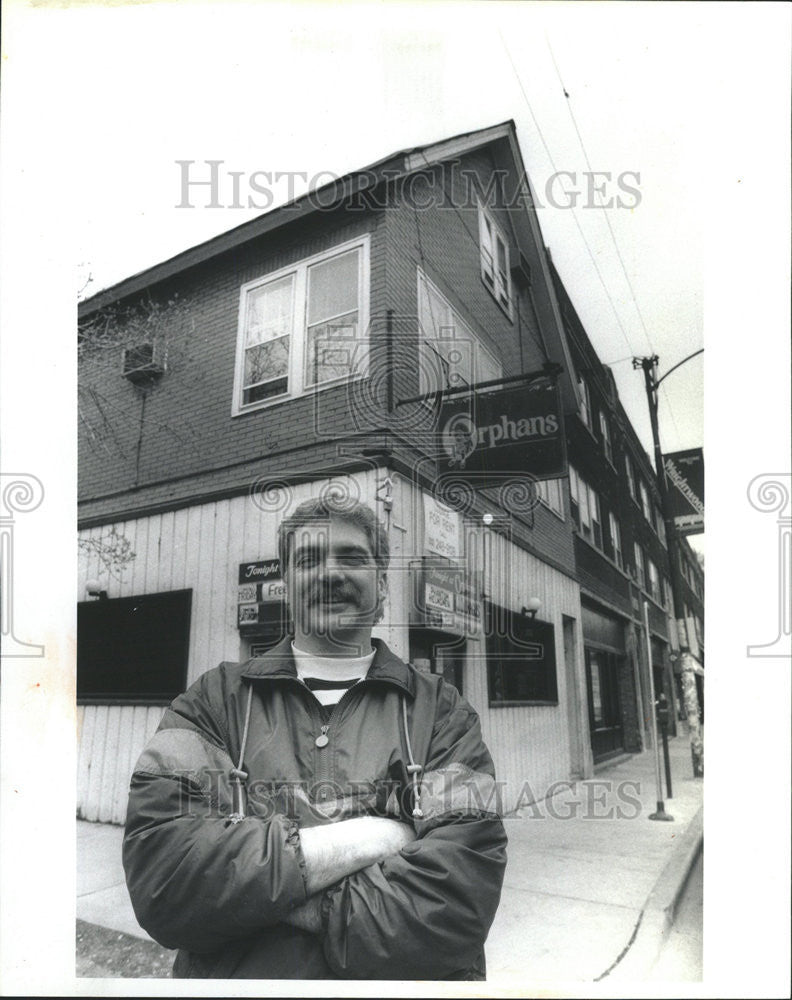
x: 143, y: 364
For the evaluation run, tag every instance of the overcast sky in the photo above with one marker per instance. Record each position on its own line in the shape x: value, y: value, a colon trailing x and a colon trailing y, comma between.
x: 333, y: 88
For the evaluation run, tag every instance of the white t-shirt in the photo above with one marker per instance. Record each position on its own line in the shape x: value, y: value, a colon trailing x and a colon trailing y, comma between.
x: 330, y: 676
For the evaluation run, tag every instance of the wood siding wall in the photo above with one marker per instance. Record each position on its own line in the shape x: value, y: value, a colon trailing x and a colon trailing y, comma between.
x: 201, y: 548
x: 532, y: 745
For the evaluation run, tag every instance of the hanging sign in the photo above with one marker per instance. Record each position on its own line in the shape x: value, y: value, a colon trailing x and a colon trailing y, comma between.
x: 515, y: 430
x: 684, y: 472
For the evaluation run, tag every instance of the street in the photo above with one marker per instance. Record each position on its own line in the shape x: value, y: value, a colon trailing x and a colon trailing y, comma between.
x: 680, y: 958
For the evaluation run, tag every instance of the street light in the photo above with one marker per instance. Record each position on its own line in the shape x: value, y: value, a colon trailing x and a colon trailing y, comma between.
x: 652, y: 383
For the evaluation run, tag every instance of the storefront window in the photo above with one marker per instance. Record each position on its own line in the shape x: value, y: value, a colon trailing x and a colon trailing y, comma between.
x: 133, y: 648
x: 521, y: 664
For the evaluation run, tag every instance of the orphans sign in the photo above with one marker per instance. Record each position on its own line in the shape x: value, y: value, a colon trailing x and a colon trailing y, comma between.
x: 514, y: 430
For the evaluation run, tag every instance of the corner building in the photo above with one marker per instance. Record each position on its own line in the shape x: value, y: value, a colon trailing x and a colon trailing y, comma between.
x: 298, y: 355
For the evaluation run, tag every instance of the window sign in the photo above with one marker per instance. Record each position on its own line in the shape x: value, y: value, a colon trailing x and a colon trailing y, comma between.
x: 446, y: 597
x: 261, y: 597
x: 441, y: 528
x: 260, y: 581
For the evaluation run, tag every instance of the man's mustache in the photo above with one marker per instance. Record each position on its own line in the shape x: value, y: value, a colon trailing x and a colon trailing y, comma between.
x: 335, y: 593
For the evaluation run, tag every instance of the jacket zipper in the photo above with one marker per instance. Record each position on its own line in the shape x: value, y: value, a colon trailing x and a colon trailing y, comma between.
x: 325, y: 748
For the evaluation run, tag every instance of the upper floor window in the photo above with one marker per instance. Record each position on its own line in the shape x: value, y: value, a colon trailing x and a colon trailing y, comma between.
x: 303, y: 327
x: 615, y: 537
x: 452, y: 354
x: 628, y: 468
x: 585, y: 508
x: 585, y: 402
x: 495, y: 271
x: 654, y: 582
x: 549, y: 492
x: 660, y: 523
x: 640, y: 572
x: 606, y: 437
x: 645, y: 505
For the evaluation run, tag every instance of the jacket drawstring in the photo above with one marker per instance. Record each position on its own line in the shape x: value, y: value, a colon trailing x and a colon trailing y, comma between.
x: 238, y: 777
x: 413, y: 769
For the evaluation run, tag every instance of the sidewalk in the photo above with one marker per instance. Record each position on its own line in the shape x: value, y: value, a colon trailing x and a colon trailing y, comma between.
x: 590, y: 890
x: 591, y: 897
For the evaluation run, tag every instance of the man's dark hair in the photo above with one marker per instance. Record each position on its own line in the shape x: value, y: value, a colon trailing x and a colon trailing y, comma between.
x: 322, y: 509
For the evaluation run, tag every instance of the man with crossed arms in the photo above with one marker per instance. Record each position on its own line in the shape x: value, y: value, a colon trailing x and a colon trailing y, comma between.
x: 324, y: 811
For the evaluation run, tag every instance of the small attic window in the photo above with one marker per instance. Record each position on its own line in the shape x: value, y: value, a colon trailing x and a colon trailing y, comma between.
x: 495, y: 270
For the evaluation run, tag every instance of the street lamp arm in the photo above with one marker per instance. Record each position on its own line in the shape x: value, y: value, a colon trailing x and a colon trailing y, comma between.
x: 693, y: 355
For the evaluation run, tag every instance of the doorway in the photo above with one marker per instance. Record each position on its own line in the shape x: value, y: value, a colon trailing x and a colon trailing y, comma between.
x: 603, y: 669
x: 439, y: 653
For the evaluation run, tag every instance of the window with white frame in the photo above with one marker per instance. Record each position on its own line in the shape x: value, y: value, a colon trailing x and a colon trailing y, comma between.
x: 495, y: 271
x: 628, y: 468
x: 640, y: 573
x: 615, y: 538
x: 303, y: 327
x: 451, y: 353
x: 645, y: 505
x: 549, y: 492
x: 606, y: 437
x: 585, y: 402
x: 585, y: 508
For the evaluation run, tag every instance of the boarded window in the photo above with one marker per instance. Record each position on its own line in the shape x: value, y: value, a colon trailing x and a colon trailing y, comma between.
x: 521, y: 663
x: 133, y: 648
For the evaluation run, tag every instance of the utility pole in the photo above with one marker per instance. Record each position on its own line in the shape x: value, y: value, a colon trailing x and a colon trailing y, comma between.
x: 649, y: 366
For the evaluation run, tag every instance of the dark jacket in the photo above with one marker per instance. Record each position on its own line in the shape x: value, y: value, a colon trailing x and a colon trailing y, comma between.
x: 206, y: 880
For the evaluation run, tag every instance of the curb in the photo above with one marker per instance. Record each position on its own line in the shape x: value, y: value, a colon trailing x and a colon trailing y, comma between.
x: 657, y: 916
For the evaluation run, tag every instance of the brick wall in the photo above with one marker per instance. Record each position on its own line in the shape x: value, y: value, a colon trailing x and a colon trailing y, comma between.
x: 185, y: 426
x: 178, y: 442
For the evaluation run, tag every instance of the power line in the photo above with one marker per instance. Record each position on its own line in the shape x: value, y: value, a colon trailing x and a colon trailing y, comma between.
x: 619, y: 361
x: 607, y: 218
x: 610, y: 227
x: 574, y: 213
